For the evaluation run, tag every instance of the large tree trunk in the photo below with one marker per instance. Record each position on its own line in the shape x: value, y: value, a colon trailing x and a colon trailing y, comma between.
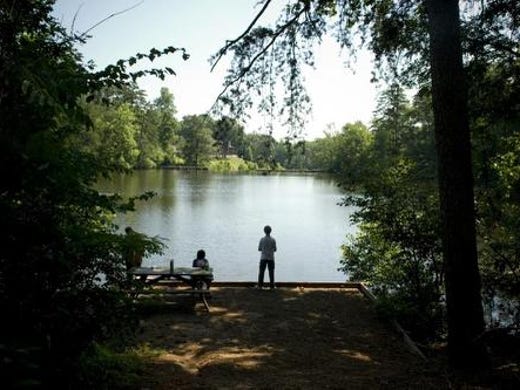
x: 465, y: 315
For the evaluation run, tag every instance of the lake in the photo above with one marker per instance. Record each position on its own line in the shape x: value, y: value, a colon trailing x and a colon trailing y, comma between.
x: 224, y: 214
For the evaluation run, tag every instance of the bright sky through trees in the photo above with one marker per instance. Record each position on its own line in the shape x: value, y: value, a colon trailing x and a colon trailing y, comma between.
x: 202, y: 27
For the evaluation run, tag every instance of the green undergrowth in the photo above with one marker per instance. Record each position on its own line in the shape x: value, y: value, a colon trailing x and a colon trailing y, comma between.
x: 105, y: 367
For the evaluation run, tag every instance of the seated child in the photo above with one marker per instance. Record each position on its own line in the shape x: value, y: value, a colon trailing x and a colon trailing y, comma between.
x: 201, y: 260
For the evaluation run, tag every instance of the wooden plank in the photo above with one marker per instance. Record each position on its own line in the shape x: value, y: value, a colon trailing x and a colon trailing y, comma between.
x: 408, y: 341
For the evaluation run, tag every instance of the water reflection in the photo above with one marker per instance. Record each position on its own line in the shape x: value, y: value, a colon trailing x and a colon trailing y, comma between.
x: 168, y: 186
x: 225, y: 214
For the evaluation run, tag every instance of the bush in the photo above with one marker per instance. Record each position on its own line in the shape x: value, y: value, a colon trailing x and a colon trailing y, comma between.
x: 231, y: 164
x: 100, y: 367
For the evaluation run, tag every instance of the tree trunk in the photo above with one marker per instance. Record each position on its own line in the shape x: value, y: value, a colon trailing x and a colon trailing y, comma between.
x: 464, y: 306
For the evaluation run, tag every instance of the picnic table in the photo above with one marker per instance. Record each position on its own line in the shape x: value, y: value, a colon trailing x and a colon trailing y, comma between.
x: 190, y: 280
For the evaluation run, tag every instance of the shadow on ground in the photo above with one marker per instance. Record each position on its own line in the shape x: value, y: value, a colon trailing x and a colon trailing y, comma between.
x: 287, y: 338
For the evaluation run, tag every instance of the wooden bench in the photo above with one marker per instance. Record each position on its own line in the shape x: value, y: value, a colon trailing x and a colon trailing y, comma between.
x: 200, y: 294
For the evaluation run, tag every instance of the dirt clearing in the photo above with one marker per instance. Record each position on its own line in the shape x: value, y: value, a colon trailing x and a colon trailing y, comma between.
x: 304, y: 338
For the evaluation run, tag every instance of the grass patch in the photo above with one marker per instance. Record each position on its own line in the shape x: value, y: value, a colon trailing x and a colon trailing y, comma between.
x: 100, y: 367
x: 231, y: 164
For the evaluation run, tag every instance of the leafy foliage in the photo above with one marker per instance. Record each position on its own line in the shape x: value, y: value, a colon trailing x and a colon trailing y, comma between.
x: 344, y: 153
x: 100, y: 367
x: 198, y: 144
x: 228, y: 135
x: 398, y: 249
x: 62, y: 279
x: 231, y: 164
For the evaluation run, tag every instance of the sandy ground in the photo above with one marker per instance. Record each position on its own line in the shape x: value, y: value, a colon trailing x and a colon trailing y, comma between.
x: 290, y: 338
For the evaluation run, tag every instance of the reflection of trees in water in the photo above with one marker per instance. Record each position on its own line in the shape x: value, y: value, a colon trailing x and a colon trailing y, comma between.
x: 195, y: 186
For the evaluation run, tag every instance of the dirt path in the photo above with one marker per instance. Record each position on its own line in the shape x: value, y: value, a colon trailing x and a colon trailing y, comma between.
x: 288, y: 338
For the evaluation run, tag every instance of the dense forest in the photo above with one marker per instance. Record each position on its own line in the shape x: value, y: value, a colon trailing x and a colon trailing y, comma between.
x: 130, y: 132
x: 65, y: 124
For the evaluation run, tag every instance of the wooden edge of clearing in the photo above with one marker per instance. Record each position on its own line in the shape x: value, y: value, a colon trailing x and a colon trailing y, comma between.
x: 353, y: 285
x: 408, y: 341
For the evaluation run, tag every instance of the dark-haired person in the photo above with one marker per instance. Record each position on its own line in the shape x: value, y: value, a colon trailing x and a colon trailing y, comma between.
x: 267, y: 247
x: 200, y: 261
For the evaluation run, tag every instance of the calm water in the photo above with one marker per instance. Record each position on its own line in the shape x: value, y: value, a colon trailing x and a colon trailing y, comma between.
x: 225, y: 215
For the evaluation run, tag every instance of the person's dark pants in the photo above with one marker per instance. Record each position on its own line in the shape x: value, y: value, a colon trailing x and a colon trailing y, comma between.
x: 270, y: 266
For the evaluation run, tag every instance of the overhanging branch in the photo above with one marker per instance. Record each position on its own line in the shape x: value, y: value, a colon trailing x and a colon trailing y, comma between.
x: 224, y: 50
x: 247, y: 68
x: 111, y: 16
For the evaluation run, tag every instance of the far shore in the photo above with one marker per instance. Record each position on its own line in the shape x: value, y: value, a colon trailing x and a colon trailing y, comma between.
x: 259, y: 170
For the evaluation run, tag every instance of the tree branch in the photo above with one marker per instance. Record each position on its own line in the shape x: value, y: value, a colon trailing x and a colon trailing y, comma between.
x: 275, y: 36
x: 110, y: 17
x: 75, y: 17
x: 223, y: 51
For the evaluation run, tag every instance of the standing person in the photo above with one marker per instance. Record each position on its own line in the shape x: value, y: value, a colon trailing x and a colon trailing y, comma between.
x: 267, y: 246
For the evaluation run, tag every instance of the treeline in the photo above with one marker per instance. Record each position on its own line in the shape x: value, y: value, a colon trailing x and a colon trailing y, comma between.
x: 126, y: 131
x: 129, y: 132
